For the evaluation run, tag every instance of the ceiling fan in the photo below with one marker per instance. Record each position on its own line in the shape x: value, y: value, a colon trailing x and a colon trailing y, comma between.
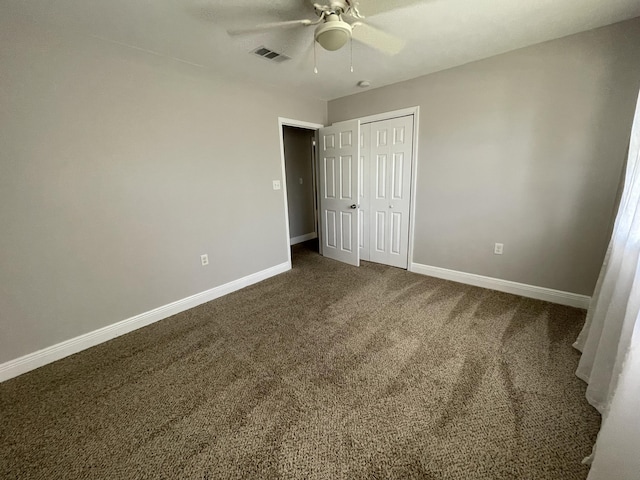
x: 337, y: 22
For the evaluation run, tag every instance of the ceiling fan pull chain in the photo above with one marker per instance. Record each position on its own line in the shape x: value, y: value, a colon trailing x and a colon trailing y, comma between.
x: 351, y: 52
x: 315, y: 63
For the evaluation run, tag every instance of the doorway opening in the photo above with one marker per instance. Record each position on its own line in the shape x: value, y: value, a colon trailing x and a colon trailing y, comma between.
x: 298, y: 150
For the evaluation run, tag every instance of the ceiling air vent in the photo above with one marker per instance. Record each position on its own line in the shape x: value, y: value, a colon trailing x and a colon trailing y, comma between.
x: 270, y: 55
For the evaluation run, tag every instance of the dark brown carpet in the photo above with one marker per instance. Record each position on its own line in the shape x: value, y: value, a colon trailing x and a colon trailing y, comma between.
x: 324, y: 372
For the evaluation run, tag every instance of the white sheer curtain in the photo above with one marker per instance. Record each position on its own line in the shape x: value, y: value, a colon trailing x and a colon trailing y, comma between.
x: 610, y: 339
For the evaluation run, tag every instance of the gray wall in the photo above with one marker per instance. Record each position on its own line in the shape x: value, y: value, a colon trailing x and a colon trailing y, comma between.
x: 298, y: 164
x: 525, y: 149
x: 117, y: 170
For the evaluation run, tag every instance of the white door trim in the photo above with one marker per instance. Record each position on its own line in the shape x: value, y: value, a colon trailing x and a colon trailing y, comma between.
x: 288, y: 122
x: 414, y: 184
x: 415, y: 111
x: 389, y: 115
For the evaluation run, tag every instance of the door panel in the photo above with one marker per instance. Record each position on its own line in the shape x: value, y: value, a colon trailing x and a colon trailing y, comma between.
x: 346, y: 238
x: 381, y: 136
x: 381, y: 177
x: 330, y: 228
x: 391, y: 185
x: 330, y: 176
x: 340, y: 157
x: 396, y: 233
x: 346, y: 139
x: 397, y: 176
x: 345, y: 180
x: 380, y: 232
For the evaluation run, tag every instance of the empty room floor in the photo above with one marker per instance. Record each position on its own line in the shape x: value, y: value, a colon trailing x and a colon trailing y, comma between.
x: 326, y: 371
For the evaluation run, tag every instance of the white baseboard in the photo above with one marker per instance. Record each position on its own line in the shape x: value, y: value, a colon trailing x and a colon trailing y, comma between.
x: 531, y: 291
x: 303, y: 238
x: 34, y: 360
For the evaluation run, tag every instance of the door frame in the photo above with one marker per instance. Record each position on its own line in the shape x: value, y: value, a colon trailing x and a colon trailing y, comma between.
x: 288, y: 122
x: 415, y: 111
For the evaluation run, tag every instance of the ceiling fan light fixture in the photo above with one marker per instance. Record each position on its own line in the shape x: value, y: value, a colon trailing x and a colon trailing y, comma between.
x: 333, y: 34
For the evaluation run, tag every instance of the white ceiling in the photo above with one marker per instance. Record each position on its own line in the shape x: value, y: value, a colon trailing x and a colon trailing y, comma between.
x: 440, y: 34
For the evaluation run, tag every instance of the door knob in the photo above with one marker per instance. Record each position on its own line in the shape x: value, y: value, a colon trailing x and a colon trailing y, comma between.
x: 354, y: 206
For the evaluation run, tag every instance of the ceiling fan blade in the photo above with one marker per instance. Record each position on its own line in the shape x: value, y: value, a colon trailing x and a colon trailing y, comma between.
x: 269, y: 26
x: 382, y: 41
x: 369, y: 8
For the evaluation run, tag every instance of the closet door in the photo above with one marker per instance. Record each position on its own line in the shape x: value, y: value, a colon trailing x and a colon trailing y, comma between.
x: 390, y: 190
x: 339, y: 174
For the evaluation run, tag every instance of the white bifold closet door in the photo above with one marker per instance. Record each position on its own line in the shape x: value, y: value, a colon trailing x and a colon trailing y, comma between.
x: 385, y: 160
x: 339, y: 174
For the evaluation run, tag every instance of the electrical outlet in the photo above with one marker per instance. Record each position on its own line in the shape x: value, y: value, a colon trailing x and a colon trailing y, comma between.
x: 276, y: 184
x: 497, y: 249
x: 300, y: 180
x: 204, y: 259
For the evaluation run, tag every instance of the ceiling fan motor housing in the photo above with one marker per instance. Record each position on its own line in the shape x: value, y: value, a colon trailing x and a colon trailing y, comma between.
x: 333, y: 33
